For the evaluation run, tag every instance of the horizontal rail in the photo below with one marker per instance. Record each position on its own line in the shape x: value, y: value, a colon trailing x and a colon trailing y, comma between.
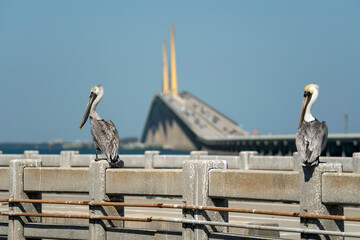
x: 254, y: 162
x: 338, y: 188
x: 254, y: 184
x: 341, y: 188
x: 153, y: 182
x: 80, y: 216
x: 271, y: 228
x: 189, y: 221
x: 53, y: 179
x: 189, y: 207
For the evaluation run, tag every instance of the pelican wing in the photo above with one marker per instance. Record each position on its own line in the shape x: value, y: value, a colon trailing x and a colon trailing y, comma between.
x: 311, y: 140
x: 106, y: 137
x: 114, y: 141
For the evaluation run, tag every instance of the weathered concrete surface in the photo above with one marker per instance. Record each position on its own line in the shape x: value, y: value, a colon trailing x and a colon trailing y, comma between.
x: 282, y: 163
x: 135, y: 234
x: 5, y: 158
x: 56, y: 231
x: 310, y: 188
x: 143, y: 234
x: 82, y: 160
x: 261, y: 185
x: 144, y: 182
x: 232, y: 161
x: 230, y: 236
x: 166, y: 235
x: 155, y: 225
x: 149, y: 158
x: 129, y: 234
x: 198, y: 155
x: 297, y: 161
x: 195, y: 185
x: 169, y: 161
x: 16, y: 190
x: 56, y: 179
x: 97, y: 192
x: 250, y: 160
x: 244, y: 159
x: 48, y: 160
x: 341, y: 188
x: 66, y: 158
x: 356, y: 162
x: 3, y: 229
x: 256, y: 232
x: 4, y: 178
x: 346, y: 162
x: 30, y: 154
x: 133, y: 161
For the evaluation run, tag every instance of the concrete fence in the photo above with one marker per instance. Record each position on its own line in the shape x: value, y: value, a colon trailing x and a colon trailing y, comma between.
x: 153, y: 159
x: 198, y: 178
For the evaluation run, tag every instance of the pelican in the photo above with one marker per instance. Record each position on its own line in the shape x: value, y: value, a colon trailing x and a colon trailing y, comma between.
x: 311, y: 136
x: 104, y: 133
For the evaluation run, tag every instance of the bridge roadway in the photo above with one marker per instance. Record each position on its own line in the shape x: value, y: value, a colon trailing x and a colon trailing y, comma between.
x: 201, y: 118
x: 147, y: 212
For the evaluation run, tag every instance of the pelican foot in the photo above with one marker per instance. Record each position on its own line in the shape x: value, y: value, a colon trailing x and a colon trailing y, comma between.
x: 117, y: 164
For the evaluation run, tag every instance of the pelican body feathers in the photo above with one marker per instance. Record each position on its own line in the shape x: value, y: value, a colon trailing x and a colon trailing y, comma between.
x: 311, y: 136
x: 311, y: 139
x: 104, y: 133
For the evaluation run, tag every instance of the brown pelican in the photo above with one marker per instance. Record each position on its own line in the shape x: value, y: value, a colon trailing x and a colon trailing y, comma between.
x: 311, y: 136
x: 104, y: 133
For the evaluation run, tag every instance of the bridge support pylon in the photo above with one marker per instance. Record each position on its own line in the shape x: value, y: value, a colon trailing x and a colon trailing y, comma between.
x: 310, y: 183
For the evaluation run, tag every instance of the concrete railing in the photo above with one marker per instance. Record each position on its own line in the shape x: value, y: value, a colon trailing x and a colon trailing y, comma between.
x: 153, y: 159
x: 198, y: 178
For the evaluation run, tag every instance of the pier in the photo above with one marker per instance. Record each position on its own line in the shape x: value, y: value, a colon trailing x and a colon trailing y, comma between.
x: 206, y: 190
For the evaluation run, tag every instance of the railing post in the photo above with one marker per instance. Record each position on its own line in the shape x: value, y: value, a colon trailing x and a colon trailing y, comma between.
x: 310, y: 183
x: 97, y: 192
x: 66, y: 157
x: 296, y: 162
x: 149, y: 158
x: 31, y: 154
x: 196, y: 192
x: 244, y: 159
x: 16, y: 190
x: 195, y: 155
x: 356, y: 162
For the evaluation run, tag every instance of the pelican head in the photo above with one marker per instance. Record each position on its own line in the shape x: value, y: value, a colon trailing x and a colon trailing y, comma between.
x: 96, y: 94
x: 311, y: 93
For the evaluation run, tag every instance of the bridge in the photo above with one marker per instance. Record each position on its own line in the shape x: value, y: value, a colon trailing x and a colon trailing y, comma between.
x: 180, y: 121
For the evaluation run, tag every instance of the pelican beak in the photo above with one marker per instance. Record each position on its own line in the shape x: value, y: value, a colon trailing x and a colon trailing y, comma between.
x: 306, y: 100
x: 88, y: 107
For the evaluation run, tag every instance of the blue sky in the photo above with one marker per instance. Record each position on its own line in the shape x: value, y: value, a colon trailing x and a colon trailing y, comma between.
x: 248, y: 59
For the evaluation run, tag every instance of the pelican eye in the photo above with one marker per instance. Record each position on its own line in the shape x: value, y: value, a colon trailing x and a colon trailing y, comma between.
x: 307, y: 93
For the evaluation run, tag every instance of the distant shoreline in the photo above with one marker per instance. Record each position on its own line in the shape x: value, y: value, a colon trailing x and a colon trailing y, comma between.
x: 82, y: 147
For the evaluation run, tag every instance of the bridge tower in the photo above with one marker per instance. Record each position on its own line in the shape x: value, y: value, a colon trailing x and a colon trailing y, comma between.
x: 165, y: 70
x: 173, y: 77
